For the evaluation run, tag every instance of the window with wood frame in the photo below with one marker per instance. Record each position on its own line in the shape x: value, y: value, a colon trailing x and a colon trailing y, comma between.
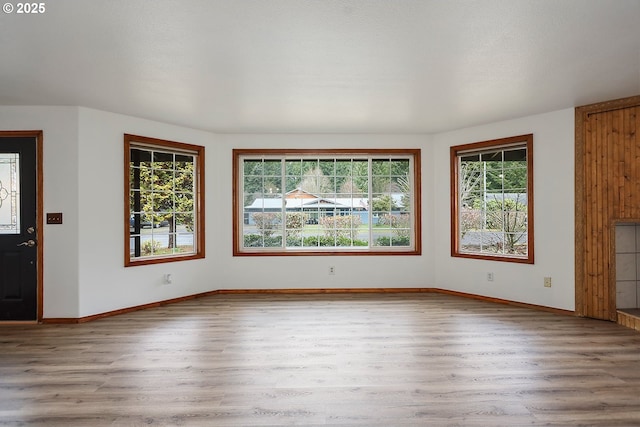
x: 326, y: 202
x: 164, y: 203
x: 492, y: 200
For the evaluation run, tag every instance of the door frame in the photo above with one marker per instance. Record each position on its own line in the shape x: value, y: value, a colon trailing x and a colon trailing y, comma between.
x: 38, y: 135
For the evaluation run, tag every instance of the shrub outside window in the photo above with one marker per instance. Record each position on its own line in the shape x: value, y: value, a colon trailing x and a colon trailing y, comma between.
x: 164, y: 208
x: 310, y: 202
x: 492, y: 200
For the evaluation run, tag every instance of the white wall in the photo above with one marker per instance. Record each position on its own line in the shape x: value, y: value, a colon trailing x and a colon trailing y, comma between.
x: 84, y: 271
x: 104, y: 283
x: 553, y: 148
x: 60, y: 148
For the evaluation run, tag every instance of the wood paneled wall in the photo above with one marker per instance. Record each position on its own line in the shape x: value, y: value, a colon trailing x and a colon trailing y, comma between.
x: 607, y: 192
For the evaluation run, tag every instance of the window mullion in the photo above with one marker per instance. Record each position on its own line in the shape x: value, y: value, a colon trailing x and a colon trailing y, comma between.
x: 136, y: 205
x: 173, y: 233
x: 411, y: 212
x: 370, y: 198
x: 283, y: 208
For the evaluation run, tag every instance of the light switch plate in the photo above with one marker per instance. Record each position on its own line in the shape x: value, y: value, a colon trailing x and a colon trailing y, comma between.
x: 54, y: 218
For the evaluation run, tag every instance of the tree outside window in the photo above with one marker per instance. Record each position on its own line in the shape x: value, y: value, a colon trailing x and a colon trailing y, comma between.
x: 343, y: 201
x: 164, y: 181
x: 492, y: 205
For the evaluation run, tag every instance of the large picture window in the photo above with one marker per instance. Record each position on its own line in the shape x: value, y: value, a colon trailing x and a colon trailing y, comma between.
x: 492, y: 199
x: 164, y: 207
x: 306, y: 202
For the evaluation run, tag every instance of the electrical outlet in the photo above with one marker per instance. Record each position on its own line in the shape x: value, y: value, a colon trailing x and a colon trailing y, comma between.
x: 490, y: 277
x: 332, y: 270
x: 547, y: 282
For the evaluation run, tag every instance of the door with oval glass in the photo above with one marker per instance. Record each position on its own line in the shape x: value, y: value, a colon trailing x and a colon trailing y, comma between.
x: 18, y: 236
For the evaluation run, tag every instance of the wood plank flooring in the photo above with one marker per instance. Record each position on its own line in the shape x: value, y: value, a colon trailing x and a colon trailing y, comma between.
x: 323, y: 360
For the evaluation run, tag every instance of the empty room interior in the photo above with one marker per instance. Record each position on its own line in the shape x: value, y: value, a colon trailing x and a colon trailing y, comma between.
x: 320, y: 213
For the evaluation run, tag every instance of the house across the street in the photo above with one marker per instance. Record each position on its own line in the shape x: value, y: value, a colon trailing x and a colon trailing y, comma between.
x: 314, y: 206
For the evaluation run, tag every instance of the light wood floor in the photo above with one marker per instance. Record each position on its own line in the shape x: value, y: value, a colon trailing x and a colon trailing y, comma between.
x: 317, y: 360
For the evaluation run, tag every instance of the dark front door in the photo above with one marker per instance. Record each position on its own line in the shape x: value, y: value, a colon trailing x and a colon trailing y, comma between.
x: 18, y: 215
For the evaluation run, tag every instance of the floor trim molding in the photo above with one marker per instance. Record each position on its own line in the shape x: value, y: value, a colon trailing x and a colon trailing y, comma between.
x: 71, y: 320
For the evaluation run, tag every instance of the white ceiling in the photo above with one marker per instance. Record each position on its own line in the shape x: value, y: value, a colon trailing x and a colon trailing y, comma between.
x: 383, y: 66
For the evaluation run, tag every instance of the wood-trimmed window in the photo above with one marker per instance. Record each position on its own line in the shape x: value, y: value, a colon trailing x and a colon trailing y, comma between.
x: 492, y: 200
x: 326, y: 202
x: 164, y: 202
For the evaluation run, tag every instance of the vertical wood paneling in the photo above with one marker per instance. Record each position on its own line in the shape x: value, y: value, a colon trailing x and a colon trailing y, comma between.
x: 631, y: 145
x: 634, y: 142
x: 593, y: 232
x: 624, y: 152
x: 615, y: 206
x: 607, y: 156
x: 603, y: 231
x: 590, y: 174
